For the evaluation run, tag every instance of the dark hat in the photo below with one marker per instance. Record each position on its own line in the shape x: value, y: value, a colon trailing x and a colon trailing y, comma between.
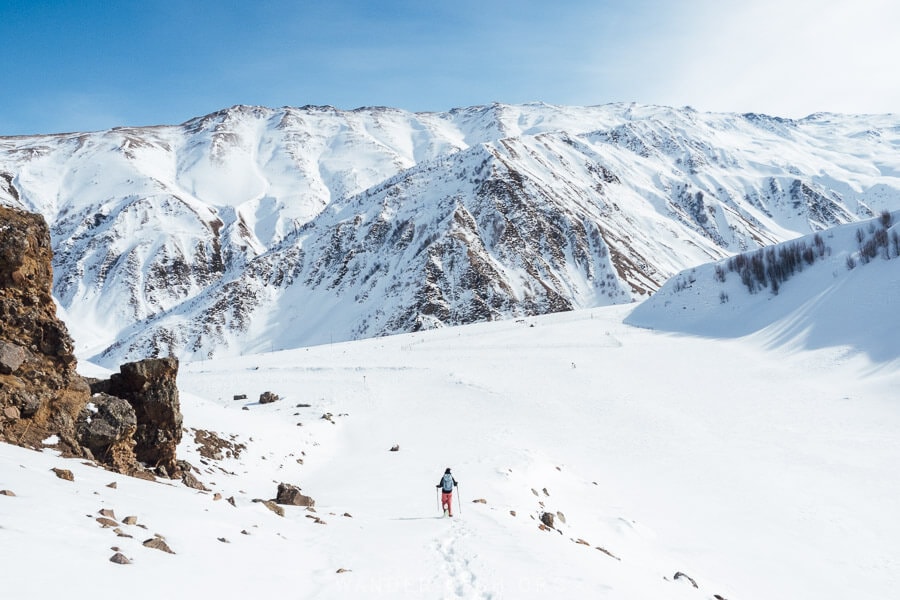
x: 448, y: 470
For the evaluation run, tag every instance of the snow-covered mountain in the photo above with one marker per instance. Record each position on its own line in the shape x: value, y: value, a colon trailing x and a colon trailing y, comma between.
x: 255, y: 228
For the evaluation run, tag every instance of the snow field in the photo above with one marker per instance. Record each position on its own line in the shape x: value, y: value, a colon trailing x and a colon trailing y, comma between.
x: 760, y: 472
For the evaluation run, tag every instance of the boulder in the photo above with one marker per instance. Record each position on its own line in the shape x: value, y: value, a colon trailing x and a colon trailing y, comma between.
x: 64, y: 474
x: 107, y: 429
x: 119, y: 559
x: 157, y: 543
x: 150, y: 388
x: 290, y: 495
x: 547, y: 519
x: 268, y: 398
x: 11, y: 357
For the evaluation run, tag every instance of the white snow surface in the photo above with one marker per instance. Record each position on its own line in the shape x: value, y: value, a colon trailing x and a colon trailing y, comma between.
x: 760, y: 471
x: 257, y: 228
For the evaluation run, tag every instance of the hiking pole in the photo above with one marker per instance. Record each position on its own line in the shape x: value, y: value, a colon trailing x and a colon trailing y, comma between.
x: 458, y: 501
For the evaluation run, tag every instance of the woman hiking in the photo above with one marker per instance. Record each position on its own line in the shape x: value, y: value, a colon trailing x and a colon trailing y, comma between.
x: 447, y: 484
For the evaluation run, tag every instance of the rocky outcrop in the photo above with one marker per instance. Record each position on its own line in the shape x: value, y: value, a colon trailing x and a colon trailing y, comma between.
x: 149, y: 387
x: 131, y: 418
x: 106, y: 428
x: 290, y: 495
x: 40, y: 392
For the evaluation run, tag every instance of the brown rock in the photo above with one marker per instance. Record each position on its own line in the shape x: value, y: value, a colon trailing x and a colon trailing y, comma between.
x: 64, y: 474
x: 290, y: 494
x: 6, y: 493
x: 112, y: 485
x: 119, y: 559
x: 37, y: 363
x: 131, y: 520
x: 108, y: 512
x: 108, y: 432
x: 342, y: 570
x: 395, y: 448
x: 150, y: 388
x: 479, y: 501
x: 157, y: 543
x: 268, y: 398
x: 582, y: 542
x: 271, y: 506
x: 11, y: 357
x: 106, y: 522
x: 192, y: 482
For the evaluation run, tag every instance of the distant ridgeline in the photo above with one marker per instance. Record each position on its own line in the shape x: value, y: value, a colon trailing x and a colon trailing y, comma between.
x: 253, y: 229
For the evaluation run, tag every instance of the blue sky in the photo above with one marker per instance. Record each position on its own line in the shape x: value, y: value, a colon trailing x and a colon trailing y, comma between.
x: 90, y: 64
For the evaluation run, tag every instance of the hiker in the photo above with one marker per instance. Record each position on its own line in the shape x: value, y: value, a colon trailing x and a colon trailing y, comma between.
x: 446, y: 484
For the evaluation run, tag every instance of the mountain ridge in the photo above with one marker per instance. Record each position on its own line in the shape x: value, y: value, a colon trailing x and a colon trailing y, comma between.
x: 204, y: 238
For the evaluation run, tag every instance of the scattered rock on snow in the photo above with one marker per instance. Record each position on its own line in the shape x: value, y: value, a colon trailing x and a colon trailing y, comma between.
x: 290, y: 495
x: 343, y: 570
x: 395, y: 448
x: 192, y: 482
x: 268, y: 398
x: 271, y: 506
x: 6, y: 493
x: 64, y: 474
x: 119, y: 559
x: 157, y: 543
x: 479, y: 501
x: 106, y: 522
x: 130, y: 520
x: 112, y: 485
x: 679, y: 575
x: 607, y: 552
x: 547, y: 519
x: 561, y: 517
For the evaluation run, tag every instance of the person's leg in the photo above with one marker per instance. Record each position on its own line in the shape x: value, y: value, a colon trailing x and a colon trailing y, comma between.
x: 446, y: 503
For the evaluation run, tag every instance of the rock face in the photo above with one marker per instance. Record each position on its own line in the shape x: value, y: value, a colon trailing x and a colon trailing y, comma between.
x: 40, y: 392
x: 106, y: 428
x: 149, y: 387
x: 134, y: 416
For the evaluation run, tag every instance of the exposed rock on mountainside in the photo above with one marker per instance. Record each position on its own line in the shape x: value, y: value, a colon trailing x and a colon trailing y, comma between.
x: 253, y: 229
x: 40, y: 392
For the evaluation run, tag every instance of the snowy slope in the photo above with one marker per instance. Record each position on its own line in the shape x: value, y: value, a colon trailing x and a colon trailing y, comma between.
x: 839, y: 298
x: 759, y: 473
x: 209, y: 236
